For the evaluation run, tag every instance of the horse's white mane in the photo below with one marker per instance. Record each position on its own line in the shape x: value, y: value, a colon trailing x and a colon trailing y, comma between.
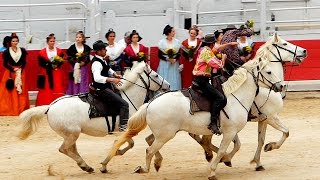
x: 263, y: 51
x: 131, y: 75
x: 240, y: 75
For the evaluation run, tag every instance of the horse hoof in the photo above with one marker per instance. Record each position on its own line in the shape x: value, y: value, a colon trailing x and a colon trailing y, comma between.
x: 228, y: 164
x: 138, y: 170
x: 268, y: 147
x: 157, y: 167
x: 208, y: 157
x: 212, y: 178
x: 90, y: 170
x: 260, y: 168
x: 103, y: 171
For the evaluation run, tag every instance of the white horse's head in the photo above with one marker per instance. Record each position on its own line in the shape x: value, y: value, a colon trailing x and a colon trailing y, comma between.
x: 277, y: 49
x: 149, y: 79
x: 264, y: 75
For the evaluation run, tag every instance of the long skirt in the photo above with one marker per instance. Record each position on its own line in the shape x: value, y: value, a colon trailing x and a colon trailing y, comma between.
x: 11, y: 102
x: 83, y: 86
x: 170, y: 73
x: 47, y: 95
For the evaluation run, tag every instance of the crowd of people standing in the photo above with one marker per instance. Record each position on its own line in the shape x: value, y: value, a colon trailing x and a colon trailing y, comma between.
x: 177, y: 62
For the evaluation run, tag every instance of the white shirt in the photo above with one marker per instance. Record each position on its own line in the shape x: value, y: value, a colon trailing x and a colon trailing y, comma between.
x: 192, y: 42
x: 115, y: 51
x: 96, y: 69
x: 51, y: 54
x: 123, y: 43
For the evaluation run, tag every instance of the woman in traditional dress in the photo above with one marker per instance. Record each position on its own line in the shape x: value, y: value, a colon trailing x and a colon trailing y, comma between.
x: 14, y: 96
x: 135, y: 51
x: 79, y: 58
x: 114, y: 51
x: 189, y: 51
x: 169, y: 53
x: 51, y: 78
x: 245, y: 46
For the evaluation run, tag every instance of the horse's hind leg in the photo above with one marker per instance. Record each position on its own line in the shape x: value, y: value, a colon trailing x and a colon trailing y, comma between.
x: 205, y: 142
x: 121, y: 152
x: 69, y: 148
x: 275, y: 123
x: 153, y: 149
x: 158, y: 157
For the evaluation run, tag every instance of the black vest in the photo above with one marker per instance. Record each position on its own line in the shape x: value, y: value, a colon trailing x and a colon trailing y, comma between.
x: 104, y: 72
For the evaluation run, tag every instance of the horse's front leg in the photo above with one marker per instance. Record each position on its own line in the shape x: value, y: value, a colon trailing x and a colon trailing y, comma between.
x: 276, y: 123
x: 262, y: 128
x: 225, y: 142
x: 226, y: 159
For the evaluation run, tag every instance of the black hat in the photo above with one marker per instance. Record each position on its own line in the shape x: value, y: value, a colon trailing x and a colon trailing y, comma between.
x: 167, y: 29
x: 134, y: 32
x: 229, y: 27
x: 209, y: 38
x: 98, y: 45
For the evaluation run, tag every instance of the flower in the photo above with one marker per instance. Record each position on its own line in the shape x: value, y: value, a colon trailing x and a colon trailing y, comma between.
x: 246, y: 51
x: 249, y: 23
x: 80, y: 56
x: 171, y: 53
x: 218, y: 55
x: 141, y: 56
x: 57, y: 61
x: 190, y: 52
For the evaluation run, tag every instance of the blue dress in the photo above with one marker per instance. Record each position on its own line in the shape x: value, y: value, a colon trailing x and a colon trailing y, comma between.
x: 168, y: 71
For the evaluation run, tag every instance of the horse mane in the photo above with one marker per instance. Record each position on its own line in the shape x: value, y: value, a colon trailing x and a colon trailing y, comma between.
x: 240, y: 75
x: 131, y: 75
x: 263, y: 51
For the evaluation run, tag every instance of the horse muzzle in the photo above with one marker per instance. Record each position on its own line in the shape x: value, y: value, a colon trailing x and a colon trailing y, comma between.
x: 278, y: 87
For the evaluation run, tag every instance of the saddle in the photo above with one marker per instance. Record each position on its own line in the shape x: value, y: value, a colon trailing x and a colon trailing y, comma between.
x: 198, y: 102
x: 98, y: 108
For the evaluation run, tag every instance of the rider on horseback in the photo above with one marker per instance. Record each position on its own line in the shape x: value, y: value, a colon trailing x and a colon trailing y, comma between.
x: 103, y: 77
x: 206, y: 60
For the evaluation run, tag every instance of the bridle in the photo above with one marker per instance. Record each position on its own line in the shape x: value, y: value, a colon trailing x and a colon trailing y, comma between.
x: 257, y: 79
x: 279, y: 59
x: 145, y: 83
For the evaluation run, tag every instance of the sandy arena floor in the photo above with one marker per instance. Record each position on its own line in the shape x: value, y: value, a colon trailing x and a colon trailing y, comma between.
x: 298, y: 158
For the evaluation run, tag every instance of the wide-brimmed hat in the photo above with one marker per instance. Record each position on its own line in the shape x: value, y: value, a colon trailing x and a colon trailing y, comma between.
x: 209, y: 38
x: 98, y: 45
x: 229, y: 27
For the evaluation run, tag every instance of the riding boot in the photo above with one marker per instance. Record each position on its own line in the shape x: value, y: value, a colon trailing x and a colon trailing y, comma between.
x: 214, y: 125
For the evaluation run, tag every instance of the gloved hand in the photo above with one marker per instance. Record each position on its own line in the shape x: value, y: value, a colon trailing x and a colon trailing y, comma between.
x: 180, y: 68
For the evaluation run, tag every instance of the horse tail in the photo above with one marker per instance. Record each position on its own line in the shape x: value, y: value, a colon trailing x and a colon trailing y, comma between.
x: 136, y: 123
x: 31, y: 119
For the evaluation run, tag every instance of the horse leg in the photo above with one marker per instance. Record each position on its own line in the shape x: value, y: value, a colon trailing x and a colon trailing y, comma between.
x: 69, y: 148
x: 152, y: 150
x: 158, y: 157
x: 275, y: 123
x: 121, y: 152
x: 104, y: 164
x: 262, y: 128
x: 225, y: 142
x: 226, y: 159
x: 205, y: 144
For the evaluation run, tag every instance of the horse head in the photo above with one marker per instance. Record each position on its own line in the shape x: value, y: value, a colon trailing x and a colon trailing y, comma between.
x: 264, y: 75
x: 150, y: 79
x: 284, y: 51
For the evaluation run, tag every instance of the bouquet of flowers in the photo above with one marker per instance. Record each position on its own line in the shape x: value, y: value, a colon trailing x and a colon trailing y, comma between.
x: 171, y: 53
x: 80, y: 56
x: 218, y: 55
x: 246, y: 50
x: 191, y: 50
x: 141, y: 56
x: 249, y: 23
x: 57, y: 61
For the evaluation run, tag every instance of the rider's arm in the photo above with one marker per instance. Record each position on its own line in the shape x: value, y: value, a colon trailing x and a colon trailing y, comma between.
x: 96, y: 71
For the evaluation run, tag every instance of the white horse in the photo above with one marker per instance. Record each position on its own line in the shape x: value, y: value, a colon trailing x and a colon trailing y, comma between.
x: 68, y: 116
x: 169, y: 113
x: 267, y: 104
